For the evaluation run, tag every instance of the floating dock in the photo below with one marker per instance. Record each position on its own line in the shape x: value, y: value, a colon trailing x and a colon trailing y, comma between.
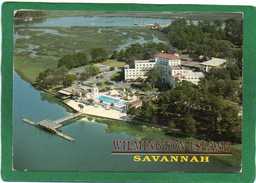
x: 53, y: 126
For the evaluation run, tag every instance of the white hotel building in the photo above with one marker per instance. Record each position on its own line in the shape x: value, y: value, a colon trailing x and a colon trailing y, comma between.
x: 170, y: 65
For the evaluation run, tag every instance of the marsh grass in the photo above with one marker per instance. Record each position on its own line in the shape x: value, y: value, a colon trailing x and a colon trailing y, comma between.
x: 48, y: 48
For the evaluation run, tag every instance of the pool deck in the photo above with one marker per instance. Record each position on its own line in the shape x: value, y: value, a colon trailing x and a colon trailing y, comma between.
x: 97, y: 110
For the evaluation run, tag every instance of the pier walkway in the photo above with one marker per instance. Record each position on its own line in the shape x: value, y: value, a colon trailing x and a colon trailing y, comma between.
x: 52, y: 126
x: 67, y: 118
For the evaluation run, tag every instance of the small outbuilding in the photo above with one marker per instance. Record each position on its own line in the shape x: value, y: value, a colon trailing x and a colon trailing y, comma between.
x: 213, y: 63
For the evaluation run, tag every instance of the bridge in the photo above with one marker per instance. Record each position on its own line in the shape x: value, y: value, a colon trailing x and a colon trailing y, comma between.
x: 53, y: 126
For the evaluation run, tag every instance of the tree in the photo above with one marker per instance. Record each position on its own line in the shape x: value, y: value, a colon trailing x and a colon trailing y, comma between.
x: 81, y: 106
x: 156, y: 80
x: 238, y: 57
x: 149, y: 111
x: 98, y: 54
x: 224, y: 82
x: 187, y: 124
x: 233, y: 30
x: 75, y: 60
x: 89, y: 71
x: 139, y: 51
x: 222, y: 118
x: 42, y: 75
x: 208, y: 38
x: 51, y: 77
x: 118, y: 76
x: 171, y: 125
x: 205, y: 111
x: 69, y: 80
x: 92, y: 70
x: 112, y: 68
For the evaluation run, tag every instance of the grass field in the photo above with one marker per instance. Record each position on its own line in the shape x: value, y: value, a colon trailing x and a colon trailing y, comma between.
x: 37, y: 49
x: 29, y: 68
x: 233, y: 160
x: 113, y: 63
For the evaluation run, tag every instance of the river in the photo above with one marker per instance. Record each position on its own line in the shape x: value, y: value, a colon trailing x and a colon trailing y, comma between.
x: 100, y: 21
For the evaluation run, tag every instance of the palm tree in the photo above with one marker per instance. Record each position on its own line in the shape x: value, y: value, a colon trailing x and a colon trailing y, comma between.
x: 81, y: 106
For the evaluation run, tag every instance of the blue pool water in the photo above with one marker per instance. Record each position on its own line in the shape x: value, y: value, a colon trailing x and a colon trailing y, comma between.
x: 110, y: 100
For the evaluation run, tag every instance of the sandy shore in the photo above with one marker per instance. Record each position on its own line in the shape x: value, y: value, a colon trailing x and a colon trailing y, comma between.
x: 97, y: 111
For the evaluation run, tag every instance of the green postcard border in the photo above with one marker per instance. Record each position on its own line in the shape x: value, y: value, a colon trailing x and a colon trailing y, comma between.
x: 249, y: 96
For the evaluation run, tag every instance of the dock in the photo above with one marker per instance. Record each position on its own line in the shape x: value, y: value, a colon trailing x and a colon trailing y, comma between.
x: 62, y: 121
x: 29, y: 121
x: 53, y: 126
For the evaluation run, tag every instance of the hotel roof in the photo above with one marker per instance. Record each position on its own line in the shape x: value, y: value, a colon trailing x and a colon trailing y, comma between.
x: 169, y: 56
x: 144, y: 61
x: 214, y: 62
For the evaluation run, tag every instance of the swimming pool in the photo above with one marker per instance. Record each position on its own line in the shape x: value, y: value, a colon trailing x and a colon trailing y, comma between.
x: 108, y: 100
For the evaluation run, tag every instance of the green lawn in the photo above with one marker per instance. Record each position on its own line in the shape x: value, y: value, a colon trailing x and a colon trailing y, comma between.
x: 113, y: 63
x: 233, y: 160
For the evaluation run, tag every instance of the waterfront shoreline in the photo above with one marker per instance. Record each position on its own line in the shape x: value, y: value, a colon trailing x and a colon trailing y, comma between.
x: 103, y: 120
x: 97, y: 111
